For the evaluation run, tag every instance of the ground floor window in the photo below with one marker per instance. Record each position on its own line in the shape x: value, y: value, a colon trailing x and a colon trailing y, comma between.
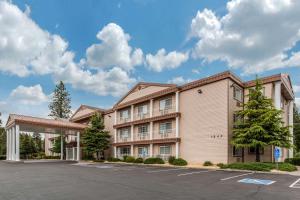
x: 237, y: 152
x: 252, y: 150
x: 165, y: 150
x: 124, y: 150
x: 143, y: 152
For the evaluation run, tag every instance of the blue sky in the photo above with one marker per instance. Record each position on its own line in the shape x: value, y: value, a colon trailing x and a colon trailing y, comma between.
x: 198, y: 38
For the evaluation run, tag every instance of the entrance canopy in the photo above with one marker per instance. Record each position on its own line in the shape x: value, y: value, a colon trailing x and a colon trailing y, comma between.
x: 20, y: 123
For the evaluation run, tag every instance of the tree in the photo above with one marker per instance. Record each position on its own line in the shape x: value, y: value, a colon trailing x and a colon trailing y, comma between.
x: 260, y: 124
x: 60, y: 105
x: 95, y: 139
x: 2, y: 139
x: 296, y: 128
x: 57, y: 145
x: 27, y: 146
x: 36, y: 137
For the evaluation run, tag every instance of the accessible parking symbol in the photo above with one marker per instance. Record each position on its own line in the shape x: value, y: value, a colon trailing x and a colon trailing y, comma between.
x: 256, y: 181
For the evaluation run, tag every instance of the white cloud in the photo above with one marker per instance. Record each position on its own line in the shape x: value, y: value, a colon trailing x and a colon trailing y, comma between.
x: 255, y: 35
x: 32, y: 95
x: 27, y: 10
x: 296, y: 88
x: 179, y: 80
x: 113, y: 50
x: 297, y: 101
x: 162, y: 60
x: 196, y: 71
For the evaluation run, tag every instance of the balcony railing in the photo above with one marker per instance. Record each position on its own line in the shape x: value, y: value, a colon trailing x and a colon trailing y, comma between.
x: 139, y: 116
x: 142, y: 136
x: 160, y: 112
x: 164, y: 156
x: 162, y: 134
x: 124, y: 120
x: 124, y: 139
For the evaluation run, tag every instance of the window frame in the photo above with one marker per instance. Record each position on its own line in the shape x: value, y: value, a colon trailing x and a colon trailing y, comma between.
x: 166, y: 106
x: 166, y: 129
x: 261, y: 151
x: 164, y: 147
x: 235, y: 150
x: 235, y: 89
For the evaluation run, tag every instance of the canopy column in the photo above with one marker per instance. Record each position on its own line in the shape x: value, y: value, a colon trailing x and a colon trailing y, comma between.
x: 17, y: 139
x: 61, y: 147
x: 13, y: 143
x: 78, y: 146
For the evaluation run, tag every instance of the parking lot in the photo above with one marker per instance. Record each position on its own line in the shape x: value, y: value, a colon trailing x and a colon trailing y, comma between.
x: 117, y: 181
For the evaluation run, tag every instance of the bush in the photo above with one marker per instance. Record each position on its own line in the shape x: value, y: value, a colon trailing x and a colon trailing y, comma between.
x: 112, y: 159
x: 129, y: 159
x: 207, y: 163
x: 220, y: 165
x: 154, y: 161
x: 294, y: 161
x: 98, y: 161
x: 139, y: 160
x: 171, y: 159
x: 179, y: 162
x: 52, y: 157
x: 124, y: 158
x: 297, y: 155
x: 2, y: 157
x: 260, y: 166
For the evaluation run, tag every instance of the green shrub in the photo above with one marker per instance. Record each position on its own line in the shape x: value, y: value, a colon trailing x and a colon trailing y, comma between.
x: 220, y: 165
x: 154, y: 161
x: 294, y: 161
x: 171, y: 159
x: 129, y: 159
x: 52, y: 157
x: 207, y: 163
x: 297, y: 155
x: 139, y: 160
x: 260, y: 166
x: 98, y: 161
x: 112, y: 159
x: 179, y: 162
x: 124, y: 158
x: 2, y: 157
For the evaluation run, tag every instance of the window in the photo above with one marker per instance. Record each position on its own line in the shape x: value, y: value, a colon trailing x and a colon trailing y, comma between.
x: 143, y: 151
x: 236, y: 119
x: 251, y: 150
x: 165, y: 104
x: 124, y: 114
x: 143, y: 129
x: 165, y: 150
x: 142, y: 110
x: 237, y: 93
x: 125, y: 151
x: 237, y: 152
x: 165, y: 127
x: 124, y: 133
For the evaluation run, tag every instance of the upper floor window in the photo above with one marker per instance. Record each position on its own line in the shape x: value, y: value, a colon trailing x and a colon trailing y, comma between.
x: 165, y: 104
x: 143, y: 129
x: 124, y: 114
x: 237, y: 93
x: 124, y: 133
x: 165, y: 127
x: 142, y: 110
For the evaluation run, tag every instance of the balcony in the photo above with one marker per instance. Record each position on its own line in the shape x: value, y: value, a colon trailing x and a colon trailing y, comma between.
x: 161, y: 112
x: 124, y: 139
x: 139, y: 116
x: 122, y: 120
x: 164, y: 134
x: 142, y: 136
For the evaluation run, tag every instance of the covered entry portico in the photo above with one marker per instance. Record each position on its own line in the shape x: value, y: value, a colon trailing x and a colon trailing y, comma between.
x: 18, y: 124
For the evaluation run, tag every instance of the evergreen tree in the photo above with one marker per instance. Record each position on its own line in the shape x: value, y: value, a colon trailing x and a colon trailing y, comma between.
x: 261, y: 124
x: 60, y: 105
x: 296, y: 128
x: 57, y: 145
x: 2, y: 141
x: 36, y: 137
x: 95, y: 139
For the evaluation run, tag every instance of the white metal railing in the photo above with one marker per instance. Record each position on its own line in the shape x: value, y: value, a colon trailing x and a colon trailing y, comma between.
x: 162, y: 134
x: 124, y: 120
x: 124, y: 139
x: 163, y: 156
x: 139, y: 116
x: 143, y: 136
x: 160, y: 112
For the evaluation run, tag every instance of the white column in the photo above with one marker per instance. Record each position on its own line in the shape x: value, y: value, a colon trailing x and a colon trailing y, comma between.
x: 17, y: 158
x: 115, y: 135
x: 277, y: 95
x: 177, y: 150
x: 177, y: 127
x: 6, y: 131
x: 132, y: 113
x: 177, y: 101
x: 151, y: 150
x: 61, y: 147
x: 291, y: 122
x: 115, y: 151
x: 74, y: 154
x: 151, y: 108
x: 151, y: 130
x: 132, y: 133
x: 9, y: 143
x: 131, y: 150
x: 115, y: 122
x: 14, y: 144
x: 78, y: 146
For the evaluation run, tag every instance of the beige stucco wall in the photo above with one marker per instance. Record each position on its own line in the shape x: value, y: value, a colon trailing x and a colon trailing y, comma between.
x: 204, y: 123
x: 109, y: 120
x: 143, y: 92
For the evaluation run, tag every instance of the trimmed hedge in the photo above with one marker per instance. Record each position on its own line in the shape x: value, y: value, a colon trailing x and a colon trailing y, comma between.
x: 179, y: 162
x: 207, y: 163
x: 129, y: 159
x: 260, y: 166
x: 52, y: 157
x: 294, y: 161
x: 154, y: 161
x: 2, y: 157
x: 139, y: 160
x: 171, y: 159
x: 112, y: 159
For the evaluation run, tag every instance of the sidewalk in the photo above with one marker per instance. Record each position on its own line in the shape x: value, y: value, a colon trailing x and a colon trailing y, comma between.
x: 296, y: 173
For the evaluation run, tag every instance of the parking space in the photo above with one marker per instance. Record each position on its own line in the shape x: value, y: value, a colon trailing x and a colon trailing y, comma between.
x: 121, y: 181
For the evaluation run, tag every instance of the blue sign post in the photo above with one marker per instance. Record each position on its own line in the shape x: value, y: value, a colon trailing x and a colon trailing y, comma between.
x: 277, y: 154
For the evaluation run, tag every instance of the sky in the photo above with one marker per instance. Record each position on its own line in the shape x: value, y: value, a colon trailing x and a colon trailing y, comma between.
x: 100, y: 49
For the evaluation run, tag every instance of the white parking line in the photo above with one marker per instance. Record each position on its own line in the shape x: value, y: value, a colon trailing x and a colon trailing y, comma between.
x: 166, y: 170
x: 231, y: 177
x: 192, y: 173
x: 296, y: 184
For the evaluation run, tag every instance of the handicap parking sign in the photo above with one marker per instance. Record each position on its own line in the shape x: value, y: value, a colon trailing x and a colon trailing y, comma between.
x: 256, y: 181
x: 277, y: 153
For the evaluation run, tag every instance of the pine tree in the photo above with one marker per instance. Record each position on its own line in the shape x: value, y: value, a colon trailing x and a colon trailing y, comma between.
x: 36, y: 137
x: 95, y: 139
x: 261, y: 124
x: 60, y: 105
x: 57, y: 145
x: 296, y: 128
